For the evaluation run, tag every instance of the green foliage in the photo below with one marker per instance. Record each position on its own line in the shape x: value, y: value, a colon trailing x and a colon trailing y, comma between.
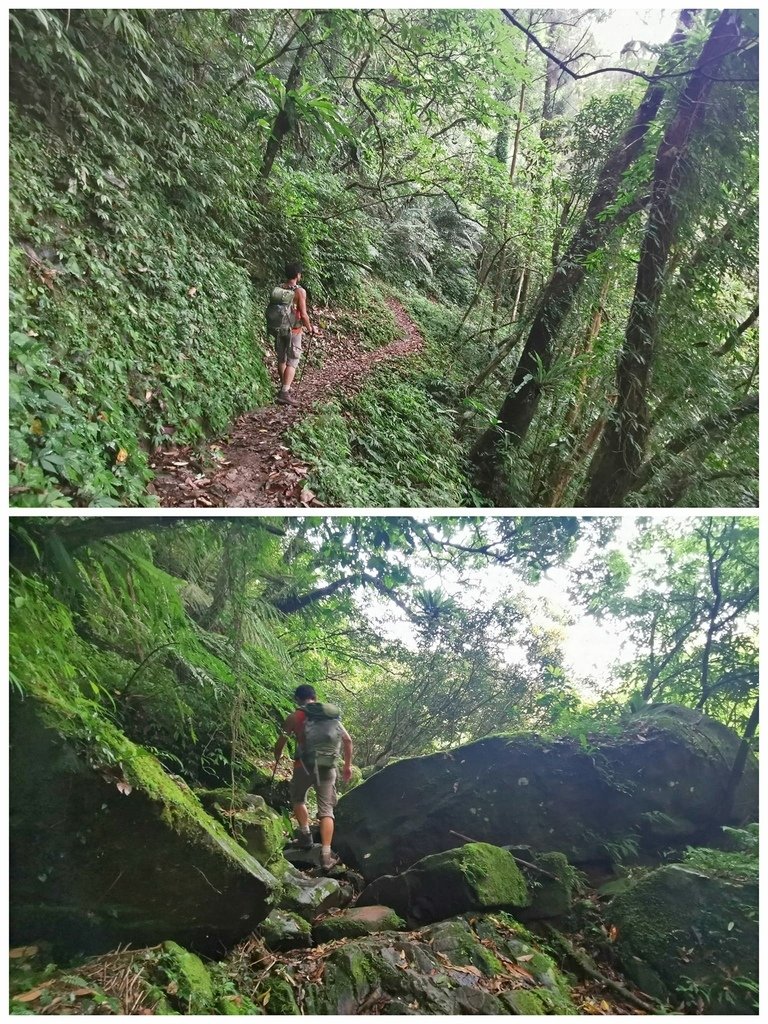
x: 738, y: 863
x: 391, y: 445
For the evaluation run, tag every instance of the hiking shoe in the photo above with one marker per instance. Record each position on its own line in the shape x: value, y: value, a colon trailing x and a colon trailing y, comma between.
x: 285, y: 398
x: 328, y: 860
x: 303, y: 840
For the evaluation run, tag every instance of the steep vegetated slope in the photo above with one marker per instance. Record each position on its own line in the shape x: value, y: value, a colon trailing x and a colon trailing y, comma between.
x: 165, y: 164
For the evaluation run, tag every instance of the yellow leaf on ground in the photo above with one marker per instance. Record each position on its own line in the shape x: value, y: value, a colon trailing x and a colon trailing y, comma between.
x: 121, y: 456
x: 28, y: 997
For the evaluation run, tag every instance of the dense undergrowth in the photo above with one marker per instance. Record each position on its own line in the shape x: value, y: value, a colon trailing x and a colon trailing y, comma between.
x: 397, y: 443
x: 141, y: 253
x: 164, y: 166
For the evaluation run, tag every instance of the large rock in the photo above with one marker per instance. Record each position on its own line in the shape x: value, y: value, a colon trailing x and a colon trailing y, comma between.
x: 246, y: 816
x: 351, y: 924
x: 107, y: 848
x: 309, y: 896
x: 692, y: 936
x: 473, y: 877
x: 662, y: 781
x: 551, y: 892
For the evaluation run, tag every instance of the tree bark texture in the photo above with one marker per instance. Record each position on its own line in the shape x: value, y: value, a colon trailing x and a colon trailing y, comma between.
x: 285, y: 119
x: 559, y: 294
x: 618, y: 460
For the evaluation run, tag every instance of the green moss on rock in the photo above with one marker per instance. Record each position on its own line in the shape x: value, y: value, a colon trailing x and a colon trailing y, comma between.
x: 680, y: 929
x: 255, y: 825
x: 188, y: 978
x: 476, y: 876
x: 353, y: 924
x: 457, y: 940
x: 285, y: 930
x: 550, y: 897
x: 277, y: 998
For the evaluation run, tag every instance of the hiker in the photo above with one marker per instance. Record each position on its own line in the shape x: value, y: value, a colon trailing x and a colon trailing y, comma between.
x: 286, y: 312
x: 319, y: 736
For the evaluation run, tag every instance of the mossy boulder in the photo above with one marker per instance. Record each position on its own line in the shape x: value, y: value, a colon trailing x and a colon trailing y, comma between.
x: 275, y: 791
x: 551, y: 892
x: 307, y: 896
x: 476, y: 876
x: 163, y: 980
x: 246, y: 816
x: 689, y: 935
x: 663, y: 772
x: 189, y: 982
x: 108, y: 849
x: 277, y: 998
x: 486, y: 965
x: 285, y: 930
x: 358, y: 921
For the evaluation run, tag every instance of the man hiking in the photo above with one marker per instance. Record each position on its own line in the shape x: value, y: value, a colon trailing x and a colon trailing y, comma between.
x: 286, y: 312
x: 320, y: 737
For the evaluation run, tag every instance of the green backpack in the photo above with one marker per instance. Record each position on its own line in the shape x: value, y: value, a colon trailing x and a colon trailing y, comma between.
x: 322, y: 736
x: 279, y: 311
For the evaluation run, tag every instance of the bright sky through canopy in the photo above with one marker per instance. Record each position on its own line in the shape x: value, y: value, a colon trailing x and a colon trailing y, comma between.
x: 622, y: 26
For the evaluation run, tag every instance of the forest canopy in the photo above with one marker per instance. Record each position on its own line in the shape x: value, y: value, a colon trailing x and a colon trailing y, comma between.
x: 577, y: 245
x: 191, y: 635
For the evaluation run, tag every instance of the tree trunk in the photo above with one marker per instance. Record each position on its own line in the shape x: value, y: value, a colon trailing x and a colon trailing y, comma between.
x: 617, y: 462
x: 501, y: 272
x: 740, y: 762
x: 559, y: 294
x: 563, y: 469
x: 285, y: 118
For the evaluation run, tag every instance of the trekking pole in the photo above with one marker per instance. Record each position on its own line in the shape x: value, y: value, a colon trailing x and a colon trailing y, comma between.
x: 272, y: 782
x: 306, y: 359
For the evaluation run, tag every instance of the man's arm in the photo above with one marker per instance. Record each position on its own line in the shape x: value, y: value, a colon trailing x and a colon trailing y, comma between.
x: 346, y: 741
x: 289, y: 729
x: 301, y: 303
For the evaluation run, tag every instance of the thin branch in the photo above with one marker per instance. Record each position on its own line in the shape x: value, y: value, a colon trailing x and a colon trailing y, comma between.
x: 626, y: 71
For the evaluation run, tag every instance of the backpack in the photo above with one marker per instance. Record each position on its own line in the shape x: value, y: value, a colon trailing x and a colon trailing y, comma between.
x: 279, y: 311
x: 322, y: 736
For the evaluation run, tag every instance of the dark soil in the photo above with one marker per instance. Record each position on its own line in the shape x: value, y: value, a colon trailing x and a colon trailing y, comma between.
x: 252, y: 466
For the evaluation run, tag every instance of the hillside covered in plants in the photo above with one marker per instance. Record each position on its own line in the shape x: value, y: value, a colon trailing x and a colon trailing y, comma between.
x: 563, y: 220
x: 524, y: 830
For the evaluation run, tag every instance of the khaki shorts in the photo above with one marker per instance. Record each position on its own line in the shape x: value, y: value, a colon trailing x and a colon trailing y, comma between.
x: 325, y: 788
x: 288, y: 347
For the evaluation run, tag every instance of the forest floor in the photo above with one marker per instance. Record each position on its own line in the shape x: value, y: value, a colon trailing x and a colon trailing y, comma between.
x: 252, y: 465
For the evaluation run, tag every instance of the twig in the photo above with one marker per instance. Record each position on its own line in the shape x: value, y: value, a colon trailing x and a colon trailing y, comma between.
x: 207, y: 880
x: 583, y: 962
x: 626, y: 71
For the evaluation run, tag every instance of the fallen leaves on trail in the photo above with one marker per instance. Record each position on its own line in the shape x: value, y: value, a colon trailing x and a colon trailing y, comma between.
x: 28, y: 997
x: 252, y: 467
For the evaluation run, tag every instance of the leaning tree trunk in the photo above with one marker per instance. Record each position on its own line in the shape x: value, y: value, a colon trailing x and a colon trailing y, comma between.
x: 617, y: 462
x: 559, y: 294
x: 740, y: 761
x: 285, y: 119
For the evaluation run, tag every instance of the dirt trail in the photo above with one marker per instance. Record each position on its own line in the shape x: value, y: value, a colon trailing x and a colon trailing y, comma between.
x: 252, y: 466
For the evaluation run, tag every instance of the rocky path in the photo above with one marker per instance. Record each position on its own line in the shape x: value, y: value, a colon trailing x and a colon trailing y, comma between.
x: 252, y: 466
